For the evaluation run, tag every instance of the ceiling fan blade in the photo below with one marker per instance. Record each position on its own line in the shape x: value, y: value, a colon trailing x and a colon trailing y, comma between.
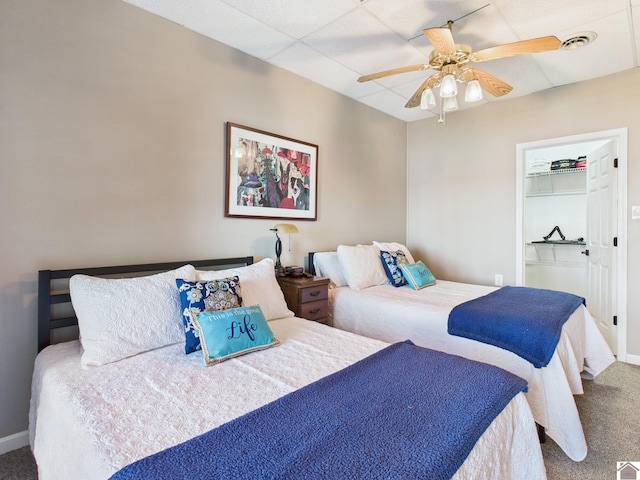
x: 441, y: 39
x: 414, y: 101
x: 534, y: 45
x: 395, y: 71
x: 491, y: 84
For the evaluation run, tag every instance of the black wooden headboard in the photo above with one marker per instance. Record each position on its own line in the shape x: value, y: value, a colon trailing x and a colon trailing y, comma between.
x: 54, y: 301
x: 312, y: 267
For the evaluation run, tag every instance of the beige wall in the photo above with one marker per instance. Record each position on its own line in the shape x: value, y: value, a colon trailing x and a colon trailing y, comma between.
x: 112, y: 152
x: 462, y: 188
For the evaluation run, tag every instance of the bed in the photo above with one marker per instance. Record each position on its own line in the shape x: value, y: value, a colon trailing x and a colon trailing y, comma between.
x: 376, y: 309
x: 98, y: 411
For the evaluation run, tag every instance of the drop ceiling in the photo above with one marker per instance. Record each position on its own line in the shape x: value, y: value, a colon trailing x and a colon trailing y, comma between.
x: 333, y: 42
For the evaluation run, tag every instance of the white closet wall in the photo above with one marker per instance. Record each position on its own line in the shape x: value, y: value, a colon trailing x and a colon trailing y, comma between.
x: 556, y: 198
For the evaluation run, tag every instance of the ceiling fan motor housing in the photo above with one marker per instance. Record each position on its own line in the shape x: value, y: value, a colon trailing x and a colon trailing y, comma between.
x: 460, y: 57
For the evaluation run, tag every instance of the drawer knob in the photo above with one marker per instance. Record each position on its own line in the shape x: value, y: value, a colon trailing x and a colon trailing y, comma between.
x: 315, y: 293
x: 314, y: 311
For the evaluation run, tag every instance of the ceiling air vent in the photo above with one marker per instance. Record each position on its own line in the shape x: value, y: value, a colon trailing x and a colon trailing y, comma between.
x: 578, y: 40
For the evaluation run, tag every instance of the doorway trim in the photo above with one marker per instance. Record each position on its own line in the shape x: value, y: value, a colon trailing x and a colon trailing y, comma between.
x: 618, y: 135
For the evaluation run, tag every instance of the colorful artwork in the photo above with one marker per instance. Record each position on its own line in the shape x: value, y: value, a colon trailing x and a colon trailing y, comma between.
x: 270, y: 176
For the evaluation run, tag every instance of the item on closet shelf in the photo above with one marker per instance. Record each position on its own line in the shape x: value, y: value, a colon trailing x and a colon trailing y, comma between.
x: 538, y: 165
x: 563, y: 164
x: 563, y: 239
x: 581, y: 162
x: 555, y: 229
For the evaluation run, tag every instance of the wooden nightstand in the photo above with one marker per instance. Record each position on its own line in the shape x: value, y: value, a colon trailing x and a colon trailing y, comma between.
x: 307, y: 297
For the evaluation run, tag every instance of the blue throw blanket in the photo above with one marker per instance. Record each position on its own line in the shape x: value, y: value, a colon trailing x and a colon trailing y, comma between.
x: 525, y: 321
x: 403, y: 412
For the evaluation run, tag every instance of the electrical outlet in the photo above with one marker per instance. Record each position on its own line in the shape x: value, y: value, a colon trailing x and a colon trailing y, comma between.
x: 635, y: 212
x: 498, y: 280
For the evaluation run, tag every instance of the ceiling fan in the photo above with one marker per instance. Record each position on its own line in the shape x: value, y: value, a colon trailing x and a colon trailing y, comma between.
x: 452, y: 63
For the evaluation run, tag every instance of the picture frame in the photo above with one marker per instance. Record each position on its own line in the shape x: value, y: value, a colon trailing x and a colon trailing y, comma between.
x: 269, y: 175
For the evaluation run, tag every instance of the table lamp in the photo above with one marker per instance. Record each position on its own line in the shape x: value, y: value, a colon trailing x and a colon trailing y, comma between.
x: 281, y: 228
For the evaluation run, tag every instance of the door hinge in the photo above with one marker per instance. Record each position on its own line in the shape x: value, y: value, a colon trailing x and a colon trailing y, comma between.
x: 615, y: 163
x: 615, y: 320
x: 615, y: 241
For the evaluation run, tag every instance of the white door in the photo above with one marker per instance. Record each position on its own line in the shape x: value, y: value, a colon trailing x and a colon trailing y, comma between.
x: 601, y: 230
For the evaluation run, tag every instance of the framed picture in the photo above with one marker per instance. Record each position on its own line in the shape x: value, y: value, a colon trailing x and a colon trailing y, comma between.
x: 270, y: 176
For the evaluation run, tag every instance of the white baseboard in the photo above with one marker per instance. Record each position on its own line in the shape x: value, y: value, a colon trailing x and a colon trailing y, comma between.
x: 633, y: 359
x: 13, y: 442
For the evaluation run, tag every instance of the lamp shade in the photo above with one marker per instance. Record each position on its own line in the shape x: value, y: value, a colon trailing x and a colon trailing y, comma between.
x: 450, y: 104
x: 473, y: 92
x: 448, y: 87
x: 428, y: 99
x: 285, y: 228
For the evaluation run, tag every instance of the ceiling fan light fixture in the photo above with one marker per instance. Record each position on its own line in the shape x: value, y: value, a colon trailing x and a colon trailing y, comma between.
x: 448, y: 86
x: 453, y: 61
x: 427, y: 99
x: 450, y: 104
x: 473, y: 92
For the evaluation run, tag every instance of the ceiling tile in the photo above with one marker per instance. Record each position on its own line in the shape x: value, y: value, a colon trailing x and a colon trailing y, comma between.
x: 514, y: 71
x: 393, y: 104
x: 552, y: 16
x: 484, y: 28
x: 306, y: 62
x: 568, y: 66
x: 364, y: 43
x: 410, y: 17
x: 294, y: 18
x: 217, y: 20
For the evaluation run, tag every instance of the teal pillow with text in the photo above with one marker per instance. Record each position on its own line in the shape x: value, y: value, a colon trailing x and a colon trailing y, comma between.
x: 233, y: 332
x: 417, y: 275
x: 197, y: 297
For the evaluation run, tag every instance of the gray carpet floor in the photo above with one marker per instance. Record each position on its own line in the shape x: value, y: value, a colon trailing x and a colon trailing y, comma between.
x: 608, y: 411
x: 611, y: 422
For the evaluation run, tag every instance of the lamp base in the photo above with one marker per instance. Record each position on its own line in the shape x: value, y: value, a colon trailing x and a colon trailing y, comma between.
x: 279, y: 270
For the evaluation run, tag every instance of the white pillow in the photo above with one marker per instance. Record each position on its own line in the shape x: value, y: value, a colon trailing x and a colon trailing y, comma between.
x: 394, y: 247
x: 361, y: 266
x: 122, y: 317
x: 327, y: 264
x: 259, y: 287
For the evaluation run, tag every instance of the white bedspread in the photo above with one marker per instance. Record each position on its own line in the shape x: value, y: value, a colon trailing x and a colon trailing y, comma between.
x: 88, y: 423
x: 395, y: 314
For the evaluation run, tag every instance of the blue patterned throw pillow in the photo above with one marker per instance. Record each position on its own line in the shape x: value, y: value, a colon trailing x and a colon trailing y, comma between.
x: 418, y: 275
x: 391, y: 262
x: 230, y: 333
x: 209, y: 296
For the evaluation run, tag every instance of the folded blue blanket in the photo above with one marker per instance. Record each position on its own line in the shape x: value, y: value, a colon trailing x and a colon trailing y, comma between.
x: 525, y: 321
x: 404, y: 412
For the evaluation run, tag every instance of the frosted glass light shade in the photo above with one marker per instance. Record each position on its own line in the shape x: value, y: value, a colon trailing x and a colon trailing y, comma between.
x: 450, y: 104
x: 473, y: 92
x: 448, y: 86
x: 428, y: 99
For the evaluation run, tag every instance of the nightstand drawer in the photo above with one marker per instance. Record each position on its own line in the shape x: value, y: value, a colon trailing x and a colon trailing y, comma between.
x: 311, y: 294
x: 307, y: 297
x: 314, y: 310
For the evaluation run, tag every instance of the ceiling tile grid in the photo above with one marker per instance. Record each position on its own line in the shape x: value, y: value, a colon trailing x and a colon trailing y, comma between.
x: 334, y: 42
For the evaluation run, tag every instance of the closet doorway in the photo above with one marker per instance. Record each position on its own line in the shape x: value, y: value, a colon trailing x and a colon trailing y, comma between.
x: 577, y: 184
